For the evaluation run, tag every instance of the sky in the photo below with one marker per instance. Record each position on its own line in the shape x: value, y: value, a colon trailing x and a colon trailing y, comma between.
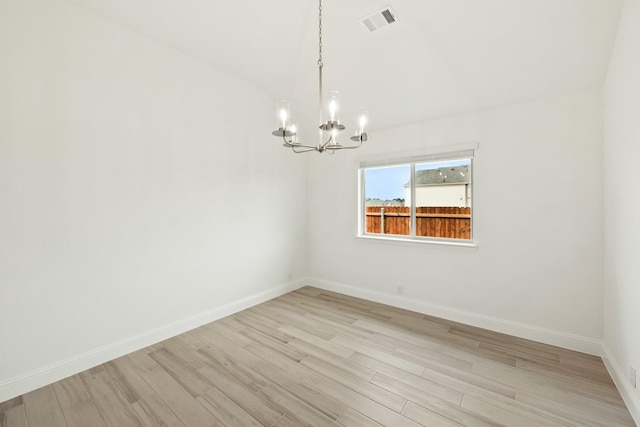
x: 388, y: 183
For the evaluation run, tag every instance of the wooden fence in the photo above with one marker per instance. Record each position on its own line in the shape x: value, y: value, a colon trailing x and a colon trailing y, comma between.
x: 445, y: 222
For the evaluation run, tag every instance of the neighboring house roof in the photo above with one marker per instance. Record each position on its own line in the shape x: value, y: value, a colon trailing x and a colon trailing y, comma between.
x: 440, y: 176
x: 379, y: 202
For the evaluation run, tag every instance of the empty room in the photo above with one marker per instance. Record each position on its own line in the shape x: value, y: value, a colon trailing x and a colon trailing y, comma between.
x: 319, y: 213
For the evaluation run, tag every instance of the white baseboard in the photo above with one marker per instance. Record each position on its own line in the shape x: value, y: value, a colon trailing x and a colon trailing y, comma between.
x: 521, y: 330
x: 41, y: 377
x: 629, y: 395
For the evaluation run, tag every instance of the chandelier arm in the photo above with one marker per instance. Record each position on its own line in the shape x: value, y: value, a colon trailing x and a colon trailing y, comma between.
x: 311, y: 147
x: 327, y: 143
x: 291, y: 144
x: 308, y: 149
x: 344, y: 147
x: 349, y: 147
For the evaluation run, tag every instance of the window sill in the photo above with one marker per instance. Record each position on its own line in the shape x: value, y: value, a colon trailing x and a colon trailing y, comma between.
x: 404, y: 240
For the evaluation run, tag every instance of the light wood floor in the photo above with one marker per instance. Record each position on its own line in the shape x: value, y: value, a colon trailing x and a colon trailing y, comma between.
x: 318, y: 358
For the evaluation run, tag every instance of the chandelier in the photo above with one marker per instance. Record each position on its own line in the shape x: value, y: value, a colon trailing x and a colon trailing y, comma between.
x: 331, y: 126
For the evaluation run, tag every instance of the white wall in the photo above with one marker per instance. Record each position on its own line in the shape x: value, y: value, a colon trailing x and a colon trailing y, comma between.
x: 537, y: 269
x: 138, y: 187
x: 622, y: 213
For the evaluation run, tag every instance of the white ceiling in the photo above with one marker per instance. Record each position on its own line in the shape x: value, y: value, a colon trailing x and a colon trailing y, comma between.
x: 442, y: 56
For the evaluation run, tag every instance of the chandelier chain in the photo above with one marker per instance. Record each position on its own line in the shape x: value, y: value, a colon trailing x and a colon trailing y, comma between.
x: 320, y: 33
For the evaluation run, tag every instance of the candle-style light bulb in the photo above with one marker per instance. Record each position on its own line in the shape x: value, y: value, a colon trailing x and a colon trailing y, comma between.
x: 334, y: 106
x: 363, y: 122
x: 361, y: 132
x: 283, y: 115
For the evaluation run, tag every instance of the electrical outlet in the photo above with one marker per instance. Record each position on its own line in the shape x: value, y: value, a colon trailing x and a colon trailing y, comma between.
x: 400, y: 290
x: 632, y: 376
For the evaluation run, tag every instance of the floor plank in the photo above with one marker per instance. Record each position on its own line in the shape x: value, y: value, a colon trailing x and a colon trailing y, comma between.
x: 110, y: 400
x: 14, y: 417
x: 42, y: 408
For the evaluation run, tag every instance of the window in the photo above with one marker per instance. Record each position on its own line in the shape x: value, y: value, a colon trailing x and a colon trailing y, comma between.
x: 424, y: 198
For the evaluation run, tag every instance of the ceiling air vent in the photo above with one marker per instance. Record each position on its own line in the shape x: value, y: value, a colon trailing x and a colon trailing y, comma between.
x: 379, y: 19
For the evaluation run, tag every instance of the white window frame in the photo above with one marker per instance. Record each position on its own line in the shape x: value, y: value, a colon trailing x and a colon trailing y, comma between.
x: 411, y: 161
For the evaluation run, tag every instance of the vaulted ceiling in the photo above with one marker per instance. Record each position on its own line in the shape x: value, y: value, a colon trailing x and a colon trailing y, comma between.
x: 441, y: 57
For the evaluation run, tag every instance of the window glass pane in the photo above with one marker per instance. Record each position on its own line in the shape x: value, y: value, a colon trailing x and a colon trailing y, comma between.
x: 385, y: 191
x: 443, y: 199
